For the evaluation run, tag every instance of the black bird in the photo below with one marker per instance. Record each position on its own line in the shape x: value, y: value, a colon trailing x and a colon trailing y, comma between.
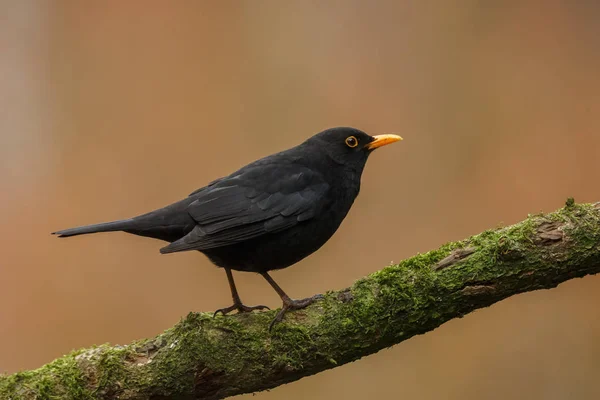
x: 267, y: 215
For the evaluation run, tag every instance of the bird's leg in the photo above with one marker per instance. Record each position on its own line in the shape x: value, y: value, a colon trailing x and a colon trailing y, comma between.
x: 288, y: 303
x: 237, y: 302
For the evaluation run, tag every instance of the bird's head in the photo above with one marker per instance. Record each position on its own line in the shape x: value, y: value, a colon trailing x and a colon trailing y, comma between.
x: 350, y: 146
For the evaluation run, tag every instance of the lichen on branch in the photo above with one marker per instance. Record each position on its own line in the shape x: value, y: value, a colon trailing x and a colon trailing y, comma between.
x: 211, y: 358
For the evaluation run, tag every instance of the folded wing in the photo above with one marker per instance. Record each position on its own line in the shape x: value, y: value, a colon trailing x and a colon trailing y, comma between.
x: 250, y: 203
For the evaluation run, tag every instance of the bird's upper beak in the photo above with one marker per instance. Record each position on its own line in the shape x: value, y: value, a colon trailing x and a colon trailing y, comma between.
x: 382, y: 140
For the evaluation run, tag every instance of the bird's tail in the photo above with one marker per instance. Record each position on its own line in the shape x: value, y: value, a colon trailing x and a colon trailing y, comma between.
x: 104, y: 227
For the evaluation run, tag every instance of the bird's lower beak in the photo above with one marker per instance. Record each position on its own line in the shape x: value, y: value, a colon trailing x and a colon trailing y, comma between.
x: 382, y: 140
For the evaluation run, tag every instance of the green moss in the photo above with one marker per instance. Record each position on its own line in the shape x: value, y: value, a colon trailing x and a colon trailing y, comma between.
x: 60, y: 379
x: 111, y: 368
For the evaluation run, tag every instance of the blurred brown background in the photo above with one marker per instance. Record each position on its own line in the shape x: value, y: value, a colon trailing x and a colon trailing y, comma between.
x: 112, y: 109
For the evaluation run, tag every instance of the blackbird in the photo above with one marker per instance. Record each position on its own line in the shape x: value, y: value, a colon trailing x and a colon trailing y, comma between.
x: 267, y: 215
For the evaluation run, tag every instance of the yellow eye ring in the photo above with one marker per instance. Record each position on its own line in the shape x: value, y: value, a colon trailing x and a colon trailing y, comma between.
x: 351, y: 141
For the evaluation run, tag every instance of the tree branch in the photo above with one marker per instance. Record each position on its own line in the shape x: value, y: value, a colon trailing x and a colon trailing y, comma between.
x: 206, y: 358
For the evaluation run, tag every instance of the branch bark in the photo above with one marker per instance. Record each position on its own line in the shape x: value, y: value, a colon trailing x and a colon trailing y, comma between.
x: 213, y: 358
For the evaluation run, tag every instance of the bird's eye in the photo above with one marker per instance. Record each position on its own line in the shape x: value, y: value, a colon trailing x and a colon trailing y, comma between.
x: 351, y: 141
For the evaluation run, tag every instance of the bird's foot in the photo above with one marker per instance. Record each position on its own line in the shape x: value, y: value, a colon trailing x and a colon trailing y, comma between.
x: 240, y: 309
x: 289, y: 304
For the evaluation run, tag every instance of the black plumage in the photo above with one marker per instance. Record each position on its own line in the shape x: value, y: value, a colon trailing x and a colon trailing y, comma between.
x: 267, y: 215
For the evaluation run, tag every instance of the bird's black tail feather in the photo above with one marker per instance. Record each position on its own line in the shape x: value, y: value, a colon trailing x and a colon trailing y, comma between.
x: 104, y: 227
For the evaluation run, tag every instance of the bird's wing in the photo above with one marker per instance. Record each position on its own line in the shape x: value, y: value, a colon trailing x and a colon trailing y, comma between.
x: 250, y: 203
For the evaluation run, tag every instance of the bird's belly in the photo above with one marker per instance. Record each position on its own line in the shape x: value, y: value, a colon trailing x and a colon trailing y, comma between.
x: 274, y: 251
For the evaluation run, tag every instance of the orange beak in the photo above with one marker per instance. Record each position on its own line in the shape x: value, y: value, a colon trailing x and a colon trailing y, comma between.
x: 382, y: 140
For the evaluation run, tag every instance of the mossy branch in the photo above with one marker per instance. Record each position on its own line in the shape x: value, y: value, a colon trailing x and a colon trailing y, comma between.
x: 212, y: 358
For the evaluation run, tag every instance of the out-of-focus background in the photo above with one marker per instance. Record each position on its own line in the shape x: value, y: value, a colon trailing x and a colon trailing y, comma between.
x: 111, y: 109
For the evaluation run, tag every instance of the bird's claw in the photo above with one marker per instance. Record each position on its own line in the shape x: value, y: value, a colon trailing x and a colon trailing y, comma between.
x: 240, y: 309
x: 290, y: 304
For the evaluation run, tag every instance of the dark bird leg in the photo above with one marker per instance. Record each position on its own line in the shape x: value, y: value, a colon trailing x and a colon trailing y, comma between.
x: 288, y: 304
x: 237, y: 302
